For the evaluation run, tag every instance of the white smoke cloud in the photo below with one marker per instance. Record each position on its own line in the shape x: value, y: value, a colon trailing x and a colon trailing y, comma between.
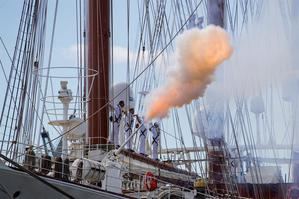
x: 198, y: 54
x: 262, y: 54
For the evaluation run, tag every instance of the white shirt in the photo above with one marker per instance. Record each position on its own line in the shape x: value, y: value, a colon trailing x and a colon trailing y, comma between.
x: 117, y: 114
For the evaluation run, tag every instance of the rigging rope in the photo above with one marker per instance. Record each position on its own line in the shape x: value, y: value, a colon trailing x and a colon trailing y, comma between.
x: 49, y: 65
x: 5, y: 48
x: 137, y: 77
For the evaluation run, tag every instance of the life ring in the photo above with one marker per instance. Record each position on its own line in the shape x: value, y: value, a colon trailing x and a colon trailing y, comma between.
x: 150, y: 182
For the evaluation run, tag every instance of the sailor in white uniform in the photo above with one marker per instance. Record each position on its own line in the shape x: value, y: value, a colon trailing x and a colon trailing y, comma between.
x: 142, y: 135
x: 155, y: 129
x: 128, y: 128
x: 113, y: 137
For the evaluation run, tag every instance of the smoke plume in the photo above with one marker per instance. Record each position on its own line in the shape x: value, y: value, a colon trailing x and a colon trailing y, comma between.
x: 198, y: 53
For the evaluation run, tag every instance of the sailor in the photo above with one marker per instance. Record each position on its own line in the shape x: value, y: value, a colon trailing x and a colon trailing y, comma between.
x: 155, y: 129
x: 79, y: 165
x: 113, y: 137
x: 66, y: 169
x: 58, y: 168
x: 46, y: 164
x: 142, y: 135
x: 30, y: 158
x: 128, y: 127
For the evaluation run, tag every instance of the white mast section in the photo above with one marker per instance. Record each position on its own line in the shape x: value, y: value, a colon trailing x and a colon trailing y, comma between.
x: 65, y: 96
x: 215, y: 103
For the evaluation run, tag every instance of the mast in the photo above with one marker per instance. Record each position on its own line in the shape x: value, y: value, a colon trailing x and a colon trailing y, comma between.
x: 98, y: 56
x: 294, y: 101
x: 216, y: 12
x: 219, y: 178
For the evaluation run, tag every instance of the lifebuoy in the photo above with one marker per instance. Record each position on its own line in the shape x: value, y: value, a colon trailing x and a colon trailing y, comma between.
x: 150, y: 182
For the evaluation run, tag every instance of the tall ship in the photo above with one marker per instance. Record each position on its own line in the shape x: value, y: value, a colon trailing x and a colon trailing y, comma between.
x: 152, y: 99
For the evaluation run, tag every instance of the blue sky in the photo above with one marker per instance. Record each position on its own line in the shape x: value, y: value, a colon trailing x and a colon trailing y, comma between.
x: 65, y: 44
x: 64, y: 53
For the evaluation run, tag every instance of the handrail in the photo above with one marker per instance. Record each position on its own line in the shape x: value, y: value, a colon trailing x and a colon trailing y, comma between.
x: 135, y: 186
x: 36, y: 176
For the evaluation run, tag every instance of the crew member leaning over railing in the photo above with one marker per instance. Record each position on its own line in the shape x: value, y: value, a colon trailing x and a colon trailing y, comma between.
x: 30, y: 158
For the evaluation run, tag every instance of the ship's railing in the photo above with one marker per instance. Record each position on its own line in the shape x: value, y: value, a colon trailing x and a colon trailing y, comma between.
x: 46, y: 165
x: 14, y: 150
x: 65, y: 170
x: 105, y: 146
x: 136, y: 187
x: 77, y: 148
x: 61, y: 169
x: 87, y: 145
x: 165, y: 189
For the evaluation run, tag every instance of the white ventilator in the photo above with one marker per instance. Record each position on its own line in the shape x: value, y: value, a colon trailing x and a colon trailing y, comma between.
x: 128, y: 129
x: 113, y: 137
x: 142, y: 137
x: 155, y: 129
